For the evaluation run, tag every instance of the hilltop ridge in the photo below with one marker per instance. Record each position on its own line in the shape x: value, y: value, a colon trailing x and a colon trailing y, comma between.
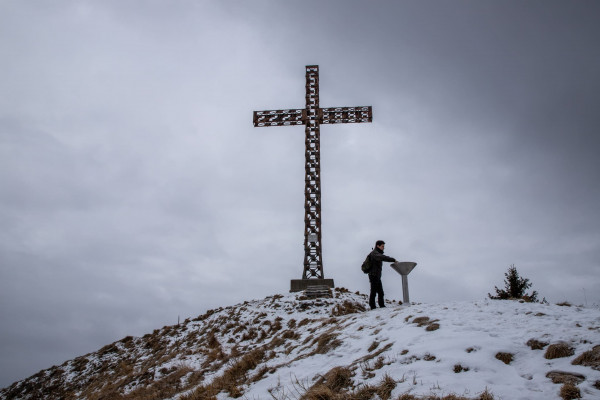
x: 290, y: 346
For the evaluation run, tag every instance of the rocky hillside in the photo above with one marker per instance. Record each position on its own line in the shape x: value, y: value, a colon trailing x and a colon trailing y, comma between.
x: 290, y: 347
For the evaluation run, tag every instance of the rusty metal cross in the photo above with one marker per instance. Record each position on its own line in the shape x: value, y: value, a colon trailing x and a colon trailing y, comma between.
x: 312, y: 116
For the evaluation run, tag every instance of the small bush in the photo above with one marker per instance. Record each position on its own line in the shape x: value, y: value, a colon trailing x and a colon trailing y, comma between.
x: 506, y: 358
x: 568, y: 391
x: 514, y: 287
x: 558, y: 350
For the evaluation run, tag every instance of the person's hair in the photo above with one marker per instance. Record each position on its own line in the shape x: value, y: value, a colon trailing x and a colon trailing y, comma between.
x: 379, y: 243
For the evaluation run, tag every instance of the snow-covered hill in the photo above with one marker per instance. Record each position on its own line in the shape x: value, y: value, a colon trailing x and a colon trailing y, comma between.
x: 288, y: 346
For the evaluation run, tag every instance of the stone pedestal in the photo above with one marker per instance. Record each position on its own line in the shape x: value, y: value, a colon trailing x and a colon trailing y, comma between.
x: 298, y: 285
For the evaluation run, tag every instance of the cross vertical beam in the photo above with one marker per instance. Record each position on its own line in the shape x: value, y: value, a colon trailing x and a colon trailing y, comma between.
x: 313, y: 256
x: 312, y: 116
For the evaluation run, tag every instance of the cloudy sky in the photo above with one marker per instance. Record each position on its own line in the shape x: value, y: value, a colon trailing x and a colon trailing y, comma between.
x: 134, y: 189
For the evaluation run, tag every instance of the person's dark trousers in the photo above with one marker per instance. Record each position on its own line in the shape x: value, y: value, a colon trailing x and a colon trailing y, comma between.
x: 376, y: 289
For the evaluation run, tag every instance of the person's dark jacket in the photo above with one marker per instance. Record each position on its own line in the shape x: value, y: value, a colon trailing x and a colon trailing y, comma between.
x: 377, y: 259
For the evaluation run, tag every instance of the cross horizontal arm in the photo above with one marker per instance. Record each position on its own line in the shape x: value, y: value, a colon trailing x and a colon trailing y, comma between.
x: 345, y: 115
x: 279, y: 117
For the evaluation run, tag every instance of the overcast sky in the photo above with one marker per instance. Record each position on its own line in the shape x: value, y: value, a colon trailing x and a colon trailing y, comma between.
x: 134, y: 189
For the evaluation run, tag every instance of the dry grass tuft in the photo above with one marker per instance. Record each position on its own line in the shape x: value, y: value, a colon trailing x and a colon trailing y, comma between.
x: 430, y: 325
x: 558, y: 350
x: 565, y: 377
x: 564, y: 304
x: 506, y: 358
x: 536, y: 344
x: 420, y: 321
x: 290, y: 334
x: 590, y: 358
x: 459, y: 368
x: 319, y: 392
x: 365, y: 392
x: 568, y: 391
x: 373, y: 346
x: 304, y: 322
x: 347, y: 307
x: 385, y: 387
x: 486, y: 395
x: 326, y: 342
x: 232, y: 378
x: 338, y: 378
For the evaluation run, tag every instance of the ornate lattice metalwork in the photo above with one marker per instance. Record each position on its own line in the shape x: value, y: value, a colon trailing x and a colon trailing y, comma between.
x: 312, y: 117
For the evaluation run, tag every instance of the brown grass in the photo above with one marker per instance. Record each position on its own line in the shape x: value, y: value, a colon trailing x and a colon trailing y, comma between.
x: 430, y: 325
x: 565, y: 377
x: 373, y: 346
x: 232, y: 378
x: 338, y: 378
x: 319, y: 392
x: 590, y: 358
x: 379, y: 363
x: 568, y: 391
x: 558, y: 350
x: 326, y: 342
x: 347, y: 307
x: 536, y: 344
x: 506, y: 358
x: 420, y: 321
x: 564, y: 304
x: 385, y: 387
x: 486, y: 395
x: 365, y: 392
x: 459, y: 368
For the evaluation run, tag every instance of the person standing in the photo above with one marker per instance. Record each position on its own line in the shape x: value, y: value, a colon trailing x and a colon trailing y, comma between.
x: 377, y: 258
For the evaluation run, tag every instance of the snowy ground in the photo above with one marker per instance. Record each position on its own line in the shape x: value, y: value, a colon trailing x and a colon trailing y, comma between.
x: 427, y: 349
x: 470, y: 335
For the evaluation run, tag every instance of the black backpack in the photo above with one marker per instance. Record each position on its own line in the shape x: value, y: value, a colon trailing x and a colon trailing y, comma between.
x: 366, y: 265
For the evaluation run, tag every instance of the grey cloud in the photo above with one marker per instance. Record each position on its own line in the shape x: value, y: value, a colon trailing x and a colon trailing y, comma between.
x: 135, y: 189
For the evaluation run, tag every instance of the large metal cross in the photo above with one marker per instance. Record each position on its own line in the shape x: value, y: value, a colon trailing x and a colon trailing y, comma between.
x: 312, y: 116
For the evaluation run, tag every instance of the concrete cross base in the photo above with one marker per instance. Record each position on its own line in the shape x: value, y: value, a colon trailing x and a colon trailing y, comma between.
x: 298, y: 285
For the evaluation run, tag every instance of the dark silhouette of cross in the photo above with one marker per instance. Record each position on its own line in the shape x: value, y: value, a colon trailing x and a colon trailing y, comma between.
x: 313, y: 116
